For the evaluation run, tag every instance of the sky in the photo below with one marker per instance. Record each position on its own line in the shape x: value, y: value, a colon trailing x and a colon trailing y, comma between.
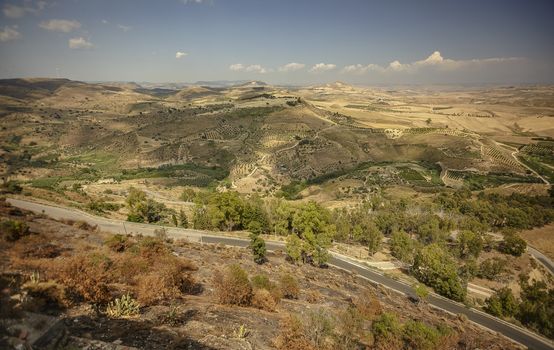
x: 295, y: 42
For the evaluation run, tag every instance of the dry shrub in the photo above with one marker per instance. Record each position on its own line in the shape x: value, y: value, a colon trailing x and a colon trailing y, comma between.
x: 152, y: 248
x: 289, y: 286
x: 45, y: 296
x: 84, y: 276
x: 119, y: 243
x: 83, y: 225
x: 233, y: 286
x: 169, y: 279
x: 368, y: 305
x: 262, y: 299
x: 313, y: 297
x: 128, y: 267
x: 263, y: 282
x: 292, y: 335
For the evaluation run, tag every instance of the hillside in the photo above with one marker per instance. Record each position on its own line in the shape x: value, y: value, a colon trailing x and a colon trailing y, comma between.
x: 69, y: 272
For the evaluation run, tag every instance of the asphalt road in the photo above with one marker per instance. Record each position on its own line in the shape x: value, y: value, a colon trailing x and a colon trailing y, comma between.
x: 518, y: 334
x: 542, y: 258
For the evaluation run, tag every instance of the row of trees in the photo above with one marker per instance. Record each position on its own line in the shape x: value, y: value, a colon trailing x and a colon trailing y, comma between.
x: 420, y: 234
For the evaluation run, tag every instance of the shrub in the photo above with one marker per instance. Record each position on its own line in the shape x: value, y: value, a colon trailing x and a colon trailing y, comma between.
x: 12, y: 230
x: 152, y: 247
x: 289, y: 286
x: 319, y: 327
x: 418, y: 335
x: 170, y: 277
x: 233, y: 287
x: 118, y: 243
x: 492, y: 268
x: 385, y: 327
x: 350, y: 324
x: 262, y: 299
x: 85, y: 277
x: 292, y: 335
x: 263, y: 282
x: 123, y: 307
x: 368, y: 305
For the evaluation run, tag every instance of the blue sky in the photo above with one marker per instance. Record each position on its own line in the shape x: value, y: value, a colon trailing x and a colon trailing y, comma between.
x: 288, y: 42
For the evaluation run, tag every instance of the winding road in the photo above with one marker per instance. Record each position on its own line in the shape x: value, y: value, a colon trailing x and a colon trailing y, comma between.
x: 515, y: 333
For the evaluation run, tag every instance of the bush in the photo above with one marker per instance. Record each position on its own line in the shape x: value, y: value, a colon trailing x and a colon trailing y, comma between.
x: 289, y: 286
x: 513, y: 245
x: 12, y: 230
x: 350, y: 324
x: 170, y: 277
x: 385, y: 327
x: 85, y: 277
x: 123, y: 307
x: 292, y: 335
x: 262, y: 299
x: 233, y: 287
x: 118, y: 243
x: 492, y: 268
x: 418, y: 335
x: 319, y: 327
x: 368, y: 305
x: 152, y: 247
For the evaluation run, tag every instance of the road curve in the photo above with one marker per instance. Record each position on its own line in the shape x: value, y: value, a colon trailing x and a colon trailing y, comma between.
x: 517, y: 334
x: 543, y: 259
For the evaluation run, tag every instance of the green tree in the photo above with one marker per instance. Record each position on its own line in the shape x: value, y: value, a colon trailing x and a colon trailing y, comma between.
x: 513, y: 244
x: 536, y: 309
x: 502, y: 303
x: 311, y: 223
x: 435, y: 267
x: 470, y: 244
x: 183, y: 220
x: 402, y: 246
x: 374, y: 239
x: 257, y: 245
x: 294, y: 248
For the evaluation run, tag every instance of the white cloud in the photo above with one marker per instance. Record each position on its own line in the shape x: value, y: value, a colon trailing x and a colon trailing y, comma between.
x: 104, y: 21
x: 256, y: 68
x: 180, y: 54
x: 291, y: 67
x: 435, y: 61
x: 15, y: 11
x: 80, y: 43
x: 361, y: 69
x: 124, y: 28
x: 237, y: 67
x: 322, y: 67
x: 9, y: 33
x: 60, y: 25
x: 192, y: 1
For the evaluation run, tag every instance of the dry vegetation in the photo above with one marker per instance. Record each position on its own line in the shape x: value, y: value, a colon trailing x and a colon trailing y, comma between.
x: 146, y: 293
